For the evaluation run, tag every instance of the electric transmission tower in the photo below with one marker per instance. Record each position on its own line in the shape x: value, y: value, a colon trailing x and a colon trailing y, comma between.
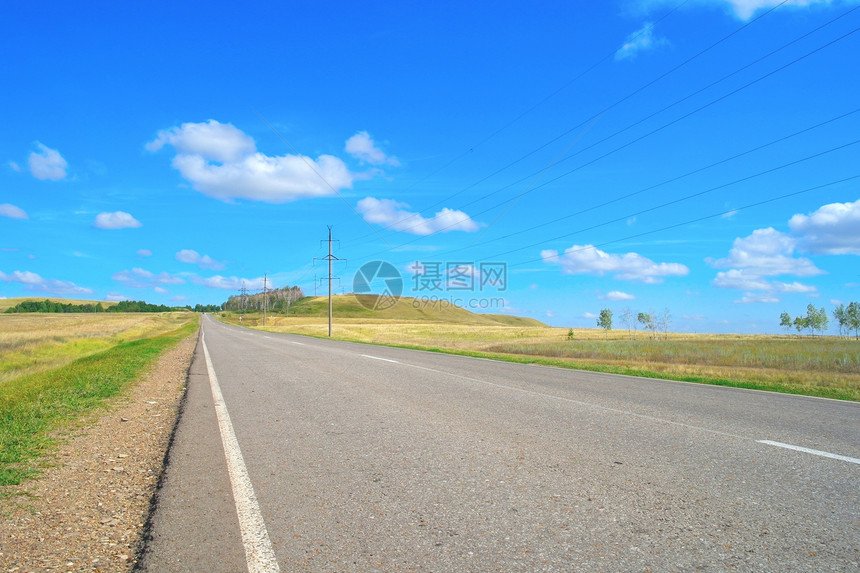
x: 330, y: 257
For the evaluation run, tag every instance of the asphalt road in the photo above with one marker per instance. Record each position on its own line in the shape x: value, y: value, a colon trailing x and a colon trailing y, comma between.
x: 365, y: 458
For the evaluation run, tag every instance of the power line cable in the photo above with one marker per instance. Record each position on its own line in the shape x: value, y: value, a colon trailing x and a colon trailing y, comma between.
x: 601, y: 112
x: 666, y: 181
x: 691, y: 221
x: 640, y: 138
x: 684, y: 198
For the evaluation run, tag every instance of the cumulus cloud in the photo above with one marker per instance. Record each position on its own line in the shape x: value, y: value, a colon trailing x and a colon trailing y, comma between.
x: 194, y: 258
x: 221, y: 142
x: 13, y: 212
x: 144, y: 253
x: 395, y: 215
x: 229, y: 283
x: 587, y: 259
x: 833, y: 229
x: 222, y: 162
x: 116, y: 220
x: 642, y: 40
x: 767, y: 252
x: 36, y: 283
x: 47, y: 163
x: 362, y: 147
x: 142, y: 278
x: 115, y: 297
x: 617, y: 295
x: 764, y: 253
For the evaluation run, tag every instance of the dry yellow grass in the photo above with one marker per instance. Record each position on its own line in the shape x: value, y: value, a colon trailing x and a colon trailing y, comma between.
x: 31, y: 343
x: 821, y: 366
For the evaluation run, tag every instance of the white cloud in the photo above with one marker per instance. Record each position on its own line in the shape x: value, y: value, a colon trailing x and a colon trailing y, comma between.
x: 833, y: 229
x: 142, y: 278
x: 221, y: 142
x: 587, y: 259
x: 394, y: 215
x: 116, y: 220
x: 35, y: 283
x: 362, y: 147
x: 589, y: 315
x: 220, y: 161
x: 15, y: 167
x: 617, y: 295
x: 144, y: 253
x: 13, y: 212
x: 194, y: 258
x: 229, y: 283
x: 639, y: 41
x: 47, y: 163
x: 160, y: 290
x: 757, y: 297
x: 115, y: 297
x: 738, y: 279
x: 767, y: 252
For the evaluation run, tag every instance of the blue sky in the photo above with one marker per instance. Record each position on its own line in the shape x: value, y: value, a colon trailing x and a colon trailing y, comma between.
x: 698, y: 156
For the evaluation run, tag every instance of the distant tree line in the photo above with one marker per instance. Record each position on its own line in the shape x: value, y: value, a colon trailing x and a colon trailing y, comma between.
x: 122, y: 306
x: 275, y: 300
x: 815, y: 319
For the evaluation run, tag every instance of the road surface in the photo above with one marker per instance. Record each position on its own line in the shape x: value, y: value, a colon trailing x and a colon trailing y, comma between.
x: 351, y: 457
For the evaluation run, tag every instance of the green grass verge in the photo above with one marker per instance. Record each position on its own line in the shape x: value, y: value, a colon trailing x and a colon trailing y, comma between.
x: 33, y: 409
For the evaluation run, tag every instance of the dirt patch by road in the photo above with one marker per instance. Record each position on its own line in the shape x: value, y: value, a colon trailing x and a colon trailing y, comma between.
x: 87, y: 512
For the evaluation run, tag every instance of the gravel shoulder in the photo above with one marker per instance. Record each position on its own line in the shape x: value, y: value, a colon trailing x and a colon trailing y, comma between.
x: 88, y: 511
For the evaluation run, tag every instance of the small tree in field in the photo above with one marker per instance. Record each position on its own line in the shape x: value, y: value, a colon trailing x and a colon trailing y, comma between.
x: 852, y: 319
x: 646, y: 319
x: 785, y: 321
x: 604, y: 321
x: 840, y: 316
x: 627, y: 319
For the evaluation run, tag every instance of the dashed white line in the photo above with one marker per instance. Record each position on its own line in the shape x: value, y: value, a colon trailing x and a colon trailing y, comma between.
x: 383, y: 359
x: 259, y: 553
x: 294, y: 342
x: 810, y: 451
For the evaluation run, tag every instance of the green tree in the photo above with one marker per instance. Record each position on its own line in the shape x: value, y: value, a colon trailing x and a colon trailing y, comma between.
x: 785, y: 321
x: 840, y: 317
x: 852, y: 318
x: 646, y: 319
x: 604, y: 321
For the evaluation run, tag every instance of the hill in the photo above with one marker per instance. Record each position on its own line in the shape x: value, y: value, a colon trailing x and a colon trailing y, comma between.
x: 406, y: 309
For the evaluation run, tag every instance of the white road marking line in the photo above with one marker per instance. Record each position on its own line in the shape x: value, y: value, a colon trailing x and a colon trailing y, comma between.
x: 810, y: 451
x: 383, y: 359
x: 269, y: 337
x: 259, y: 553
x: 294, y: 342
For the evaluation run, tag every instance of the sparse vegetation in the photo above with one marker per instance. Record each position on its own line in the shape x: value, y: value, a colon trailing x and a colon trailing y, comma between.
x: 822, y: 366
x: 36, y: 406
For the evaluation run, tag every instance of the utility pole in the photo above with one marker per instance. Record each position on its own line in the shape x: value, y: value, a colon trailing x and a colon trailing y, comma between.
x: 330, y: 257
x: 265, y: 296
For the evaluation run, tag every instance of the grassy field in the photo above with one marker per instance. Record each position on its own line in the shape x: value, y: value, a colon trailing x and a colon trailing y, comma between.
x: 33, y: 342
x: 815, y: 366
x: 73, y: 364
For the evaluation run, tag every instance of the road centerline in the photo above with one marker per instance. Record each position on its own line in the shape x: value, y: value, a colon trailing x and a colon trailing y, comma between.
x: 810, y: 451
x: 383, y: 359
